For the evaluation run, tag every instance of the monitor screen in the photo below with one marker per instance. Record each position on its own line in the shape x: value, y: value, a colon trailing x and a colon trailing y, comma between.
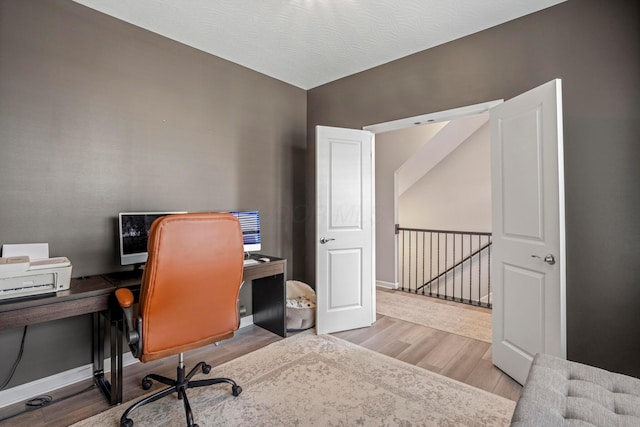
x: 133, y: 231
x: 250, y: 226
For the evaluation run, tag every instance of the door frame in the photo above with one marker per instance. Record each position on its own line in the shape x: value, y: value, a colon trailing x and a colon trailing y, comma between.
x: 424, y: 119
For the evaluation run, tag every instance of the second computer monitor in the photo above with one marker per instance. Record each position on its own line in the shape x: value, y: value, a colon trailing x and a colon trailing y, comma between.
x: 134, y: 232
x: 250, y: 225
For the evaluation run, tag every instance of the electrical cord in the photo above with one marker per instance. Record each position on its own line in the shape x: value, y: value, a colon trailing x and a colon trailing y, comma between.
x: 36, y: 402
x: 40, y: 401
x: 15, y: 364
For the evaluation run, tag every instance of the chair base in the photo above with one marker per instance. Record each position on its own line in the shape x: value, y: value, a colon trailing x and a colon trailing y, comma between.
x: 180, y: 386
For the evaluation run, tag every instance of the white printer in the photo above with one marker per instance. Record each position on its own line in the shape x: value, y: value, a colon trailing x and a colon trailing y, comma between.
x: 21, y: 277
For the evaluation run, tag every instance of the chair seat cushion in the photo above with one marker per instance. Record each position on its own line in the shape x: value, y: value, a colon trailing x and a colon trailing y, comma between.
x: 559, y: 392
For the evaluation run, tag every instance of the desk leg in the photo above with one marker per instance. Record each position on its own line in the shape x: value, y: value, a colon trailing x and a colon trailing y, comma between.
x: 116, y: 359
x: 100, y: 322
x: 98, y: 350
x: 269, y: 304
x: 112, y: 390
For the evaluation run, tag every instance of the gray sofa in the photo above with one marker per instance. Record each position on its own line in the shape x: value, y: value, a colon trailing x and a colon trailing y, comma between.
x: 563, y: 393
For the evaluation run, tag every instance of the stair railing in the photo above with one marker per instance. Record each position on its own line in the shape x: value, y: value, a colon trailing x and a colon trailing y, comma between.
x: 451, y: 265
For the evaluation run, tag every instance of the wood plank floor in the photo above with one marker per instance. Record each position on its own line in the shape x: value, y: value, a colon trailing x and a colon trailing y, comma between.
x: 451, y: 355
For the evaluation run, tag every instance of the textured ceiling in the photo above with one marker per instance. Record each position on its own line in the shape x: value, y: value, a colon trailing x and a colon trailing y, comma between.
x: 307, y: 43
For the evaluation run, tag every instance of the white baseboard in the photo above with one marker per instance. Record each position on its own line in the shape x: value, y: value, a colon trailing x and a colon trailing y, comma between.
x: 246, y: 321
x: 48, y: 384
x: 387, y: 285
x: 485, y: 299
x: 45, y: 385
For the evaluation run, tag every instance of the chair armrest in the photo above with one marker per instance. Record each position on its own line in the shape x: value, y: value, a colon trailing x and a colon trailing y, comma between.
x: 125, y: 300
x: 124, y: 297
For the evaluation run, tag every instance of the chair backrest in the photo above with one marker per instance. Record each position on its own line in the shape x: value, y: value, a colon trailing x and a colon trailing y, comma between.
x: 191, y: 282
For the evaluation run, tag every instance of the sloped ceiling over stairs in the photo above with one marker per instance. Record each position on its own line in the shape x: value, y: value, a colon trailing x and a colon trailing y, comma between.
x: 436, y: 149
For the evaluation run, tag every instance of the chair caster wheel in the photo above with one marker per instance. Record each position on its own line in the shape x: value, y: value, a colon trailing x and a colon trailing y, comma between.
x: 126, y: 423
x: 236, y: 390
x: 206, y: 368
x: 146, y: 383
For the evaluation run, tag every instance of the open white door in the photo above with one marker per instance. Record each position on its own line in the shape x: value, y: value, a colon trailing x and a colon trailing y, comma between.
x: 528, y: 264
x: 345, y: 278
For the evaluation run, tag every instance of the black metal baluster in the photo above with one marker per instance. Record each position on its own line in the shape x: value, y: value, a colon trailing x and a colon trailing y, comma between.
x: 402, y: 260
x: 479, y: 270
x: 409, y: 262
x: 446, y: 257
x: 424, y: 255
x: 470, y: 267
x: 417, y: 251
x: 454, y: 263
x: 462, y: 267
x: 438, y: 269
x: 430, y: 262
x: 489, y: 303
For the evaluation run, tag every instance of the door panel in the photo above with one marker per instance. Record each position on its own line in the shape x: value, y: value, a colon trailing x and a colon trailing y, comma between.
x: 345, y: 266
x: 524, y: 309
x: 346, y: 185
x: 528, y: 225
x: 345, y: 281
x: 522, y: 171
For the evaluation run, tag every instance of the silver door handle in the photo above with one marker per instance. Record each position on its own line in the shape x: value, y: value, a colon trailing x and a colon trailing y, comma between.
x: 324, y: 240
x: 549, y: 259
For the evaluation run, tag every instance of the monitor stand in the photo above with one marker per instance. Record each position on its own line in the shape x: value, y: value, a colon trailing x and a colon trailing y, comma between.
x: 250, y: 259
x: 127, y: 276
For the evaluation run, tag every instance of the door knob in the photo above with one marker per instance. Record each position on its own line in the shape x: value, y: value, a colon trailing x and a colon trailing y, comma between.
x: 549, y: 259
x: 324, y: 240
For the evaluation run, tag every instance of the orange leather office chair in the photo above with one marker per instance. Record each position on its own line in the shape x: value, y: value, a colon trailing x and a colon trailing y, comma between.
x: 188, y: 298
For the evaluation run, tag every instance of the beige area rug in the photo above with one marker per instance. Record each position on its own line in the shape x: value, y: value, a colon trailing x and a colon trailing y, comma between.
x: 449, y: 318
x: 310, y: 380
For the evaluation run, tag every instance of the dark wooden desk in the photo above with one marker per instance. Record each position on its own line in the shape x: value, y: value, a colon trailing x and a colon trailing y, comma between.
x: 94, y: 295
x: 269, y: 294
x: 89, y: 295
x: 84, y: 296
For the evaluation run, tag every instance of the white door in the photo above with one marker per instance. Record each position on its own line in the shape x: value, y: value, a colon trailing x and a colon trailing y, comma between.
x: 528, y: 262
x: 345, y: 278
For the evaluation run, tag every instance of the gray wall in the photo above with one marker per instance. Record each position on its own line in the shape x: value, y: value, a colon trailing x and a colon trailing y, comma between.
x: 99, y: 117
x: 593, y: 46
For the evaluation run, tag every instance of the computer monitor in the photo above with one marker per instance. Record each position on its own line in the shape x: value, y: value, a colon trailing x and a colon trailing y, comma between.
x: 250, y: 226
x: 134, y: 232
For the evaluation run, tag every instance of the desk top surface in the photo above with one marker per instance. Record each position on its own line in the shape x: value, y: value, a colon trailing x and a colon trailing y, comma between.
x: 84, y: 287
x: 103, y: 286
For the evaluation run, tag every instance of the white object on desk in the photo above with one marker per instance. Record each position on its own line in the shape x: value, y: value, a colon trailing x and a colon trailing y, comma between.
x: 41, y: 264
x: 32, y: 250
x: 251, y: 261
x: 24, y: 278
x: 14, y: 264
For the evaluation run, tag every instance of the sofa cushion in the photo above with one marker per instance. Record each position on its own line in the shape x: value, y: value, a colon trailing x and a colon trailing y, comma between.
x: 559, y: 392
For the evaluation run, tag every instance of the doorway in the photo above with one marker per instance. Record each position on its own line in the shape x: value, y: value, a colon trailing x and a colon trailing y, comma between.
x: 388, y: 185
x: 433, y: 177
